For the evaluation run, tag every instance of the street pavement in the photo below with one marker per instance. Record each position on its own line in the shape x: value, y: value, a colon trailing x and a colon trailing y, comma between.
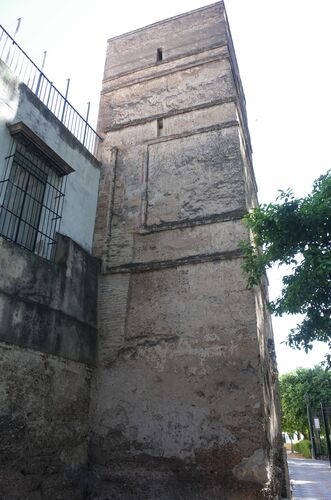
x: 310, y: 479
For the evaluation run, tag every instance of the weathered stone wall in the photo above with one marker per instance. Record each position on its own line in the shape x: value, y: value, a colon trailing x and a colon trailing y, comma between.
x: 47, y: 354
x: 49, y: 306
x: 44, y: 408
x: 185, y: 405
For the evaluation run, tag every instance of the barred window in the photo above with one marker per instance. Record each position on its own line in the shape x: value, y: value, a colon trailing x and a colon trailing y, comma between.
x: 31, y: 200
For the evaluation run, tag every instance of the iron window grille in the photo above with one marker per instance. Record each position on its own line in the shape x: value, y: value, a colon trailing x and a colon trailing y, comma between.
x: 31, y: 200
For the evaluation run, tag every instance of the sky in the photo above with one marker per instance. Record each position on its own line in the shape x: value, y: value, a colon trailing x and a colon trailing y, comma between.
x: 283, y: 52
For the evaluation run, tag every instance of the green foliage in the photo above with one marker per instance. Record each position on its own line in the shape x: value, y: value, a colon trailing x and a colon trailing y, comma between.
x: 315, y: 383
x: 296, y: 232
x: 303, y: 447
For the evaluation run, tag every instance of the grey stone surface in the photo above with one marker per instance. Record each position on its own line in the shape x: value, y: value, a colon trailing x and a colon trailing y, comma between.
x: 179, y: 172
x: 43, y: 425
x: 156, y: 96
x: 193, y: 32
x: 47, y: 350
x: 186, y: 403
x: 49, y: 306
x: 253, y: 468
x: 197, y: 240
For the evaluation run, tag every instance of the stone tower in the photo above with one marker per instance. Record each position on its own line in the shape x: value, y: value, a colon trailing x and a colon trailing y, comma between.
x: 186, y: 405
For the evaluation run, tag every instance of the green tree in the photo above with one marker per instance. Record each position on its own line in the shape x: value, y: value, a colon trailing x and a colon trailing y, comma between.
x: 313, y: 382
x: 296, y: 232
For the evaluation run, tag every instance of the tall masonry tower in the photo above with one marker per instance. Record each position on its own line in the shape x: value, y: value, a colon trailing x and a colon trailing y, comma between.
x: 186, y: 403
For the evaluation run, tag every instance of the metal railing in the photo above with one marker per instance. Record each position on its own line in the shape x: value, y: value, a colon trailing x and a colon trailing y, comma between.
x: 33, y: 77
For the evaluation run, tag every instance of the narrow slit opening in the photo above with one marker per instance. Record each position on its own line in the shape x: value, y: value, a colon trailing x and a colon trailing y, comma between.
x: 159, y: 55
x: 159, y: 126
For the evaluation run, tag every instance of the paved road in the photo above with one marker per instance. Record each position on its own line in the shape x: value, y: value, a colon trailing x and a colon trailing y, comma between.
x: 310, y: 479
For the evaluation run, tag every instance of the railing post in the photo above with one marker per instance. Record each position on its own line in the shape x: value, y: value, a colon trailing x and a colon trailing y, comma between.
x: 49, y: 93
x: 86, y: 121
x: 65, y: 100
x: 41, y: 74
x: 17, y: 27
x: 13, y: 39
x: 311, y: 429
x: 327, y: 431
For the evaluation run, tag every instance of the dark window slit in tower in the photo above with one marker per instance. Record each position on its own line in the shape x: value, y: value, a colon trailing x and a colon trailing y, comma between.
x: 159, y: 55
x: 159, y: 127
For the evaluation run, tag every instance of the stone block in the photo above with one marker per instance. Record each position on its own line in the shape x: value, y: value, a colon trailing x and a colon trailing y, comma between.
x: 194, y: 177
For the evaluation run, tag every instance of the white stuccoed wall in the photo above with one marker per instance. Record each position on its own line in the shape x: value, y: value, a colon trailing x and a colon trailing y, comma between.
x: 18, y: 103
